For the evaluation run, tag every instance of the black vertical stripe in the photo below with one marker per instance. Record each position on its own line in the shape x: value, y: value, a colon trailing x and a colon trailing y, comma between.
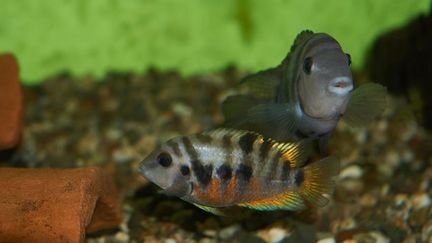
x: 246, y: 142
x: 299, y: 177
x: 273, y: 167
x: 202, y: 173
x: 286, y: 168
x: 244, y: 173
x: 193, y: 155
x: 264, y: 149
x: 224, y: 172
x: 175, y: 147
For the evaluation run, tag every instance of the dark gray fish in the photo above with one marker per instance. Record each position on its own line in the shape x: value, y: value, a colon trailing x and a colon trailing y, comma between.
x: 306, y: 95
x: 223, y: 168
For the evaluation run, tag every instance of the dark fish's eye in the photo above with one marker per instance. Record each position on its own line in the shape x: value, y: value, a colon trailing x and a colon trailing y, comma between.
x: 307, y: 65
x: 164, y: 159
x: 349, y: 58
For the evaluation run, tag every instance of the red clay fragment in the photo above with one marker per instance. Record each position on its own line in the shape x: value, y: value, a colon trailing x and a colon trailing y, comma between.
x: 56, y: 205
x: 10, y: 102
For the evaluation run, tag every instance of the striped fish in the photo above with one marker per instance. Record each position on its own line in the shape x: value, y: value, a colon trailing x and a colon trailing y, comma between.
x: 305, y: 96
x: 222, y: 168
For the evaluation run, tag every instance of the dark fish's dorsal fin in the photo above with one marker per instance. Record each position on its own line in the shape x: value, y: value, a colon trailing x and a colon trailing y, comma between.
x: 295, y: 153
x: 290, y: 200
x: 318, y: 180
x: 366, y: 103
x: 301, y: 38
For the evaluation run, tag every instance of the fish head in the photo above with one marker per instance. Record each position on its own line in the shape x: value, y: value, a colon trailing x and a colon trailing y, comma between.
x: 167, y: 170
x: 325, y: 80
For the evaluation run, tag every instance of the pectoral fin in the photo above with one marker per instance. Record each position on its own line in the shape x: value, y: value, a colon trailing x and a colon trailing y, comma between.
x: 278, y: 121
x: 367, y: 102
x: 263, y: 84
x: 235, y: 108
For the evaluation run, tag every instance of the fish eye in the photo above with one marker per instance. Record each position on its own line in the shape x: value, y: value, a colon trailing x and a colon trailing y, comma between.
x: 349, y: 59
x: 184, y: 169
x: 164, y: 159
x: 307, y: 65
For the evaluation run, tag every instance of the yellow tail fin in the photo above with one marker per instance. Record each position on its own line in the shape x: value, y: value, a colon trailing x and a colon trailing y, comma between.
x: 318, y: 180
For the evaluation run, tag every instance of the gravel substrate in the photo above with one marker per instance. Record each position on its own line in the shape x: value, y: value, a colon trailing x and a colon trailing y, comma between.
x: 383, y: 191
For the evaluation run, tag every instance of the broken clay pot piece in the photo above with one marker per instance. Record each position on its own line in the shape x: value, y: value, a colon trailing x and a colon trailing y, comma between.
x: 10, y: 102
x: 56, y: 205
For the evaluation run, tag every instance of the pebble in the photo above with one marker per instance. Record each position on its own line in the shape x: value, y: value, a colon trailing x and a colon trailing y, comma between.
x: 121, y: 237
x: 182, y: 110
x: 123, y: 155
x: 273, y: 235
x: 327, y: 240
x: 351, y: 172
x: 420, y: 200
x: 367, y: 200
x: 374, y: 236
x: 229, y: 232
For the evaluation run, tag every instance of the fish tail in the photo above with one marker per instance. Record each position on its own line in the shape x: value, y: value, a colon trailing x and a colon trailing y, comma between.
x: 318, y: 180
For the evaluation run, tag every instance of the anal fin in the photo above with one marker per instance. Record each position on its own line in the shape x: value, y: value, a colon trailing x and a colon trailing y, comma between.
x: 285, y: 201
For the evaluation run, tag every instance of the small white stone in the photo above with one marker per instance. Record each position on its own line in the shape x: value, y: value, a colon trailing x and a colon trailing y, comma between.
x: 273, y: 235
x: 351, y: 172
x: 182, y: 109
x: 420, y: 200
x: 121, y: 237
x: 327, y: 240
x: 379, y: 237
x: 229, y: 232
x: 277, y: 234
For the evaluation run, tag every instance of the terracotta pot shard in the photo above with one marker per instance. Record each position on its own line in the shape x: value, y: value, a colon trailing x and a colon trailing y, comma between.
x: 56, y: 205
x: 10, y: 102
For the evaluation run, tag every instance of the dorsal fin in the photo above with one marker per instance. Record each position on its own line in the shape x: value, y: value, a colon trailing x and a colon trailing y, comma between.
x: 295, y: 153
x: 302, y: 37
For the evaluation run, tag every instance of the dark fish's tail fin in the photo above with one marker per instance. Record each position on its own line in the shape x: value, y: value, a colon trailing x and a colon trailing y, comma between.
x: 367, y: 102
x: 318, y: 180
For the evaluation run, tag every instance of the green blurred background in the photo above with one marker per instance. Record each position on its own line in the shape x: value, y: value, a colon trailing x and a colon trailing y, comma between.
x: 86, y: 37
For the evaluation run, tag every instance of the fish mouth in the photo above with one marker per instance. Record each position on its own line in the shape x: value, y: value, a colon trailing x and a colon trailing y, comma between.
x: 341, y: 86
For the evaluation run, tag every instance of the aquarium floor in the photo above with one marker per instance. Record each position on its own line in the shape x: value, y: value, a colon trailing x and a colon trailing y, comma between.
x: 383, y: 191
